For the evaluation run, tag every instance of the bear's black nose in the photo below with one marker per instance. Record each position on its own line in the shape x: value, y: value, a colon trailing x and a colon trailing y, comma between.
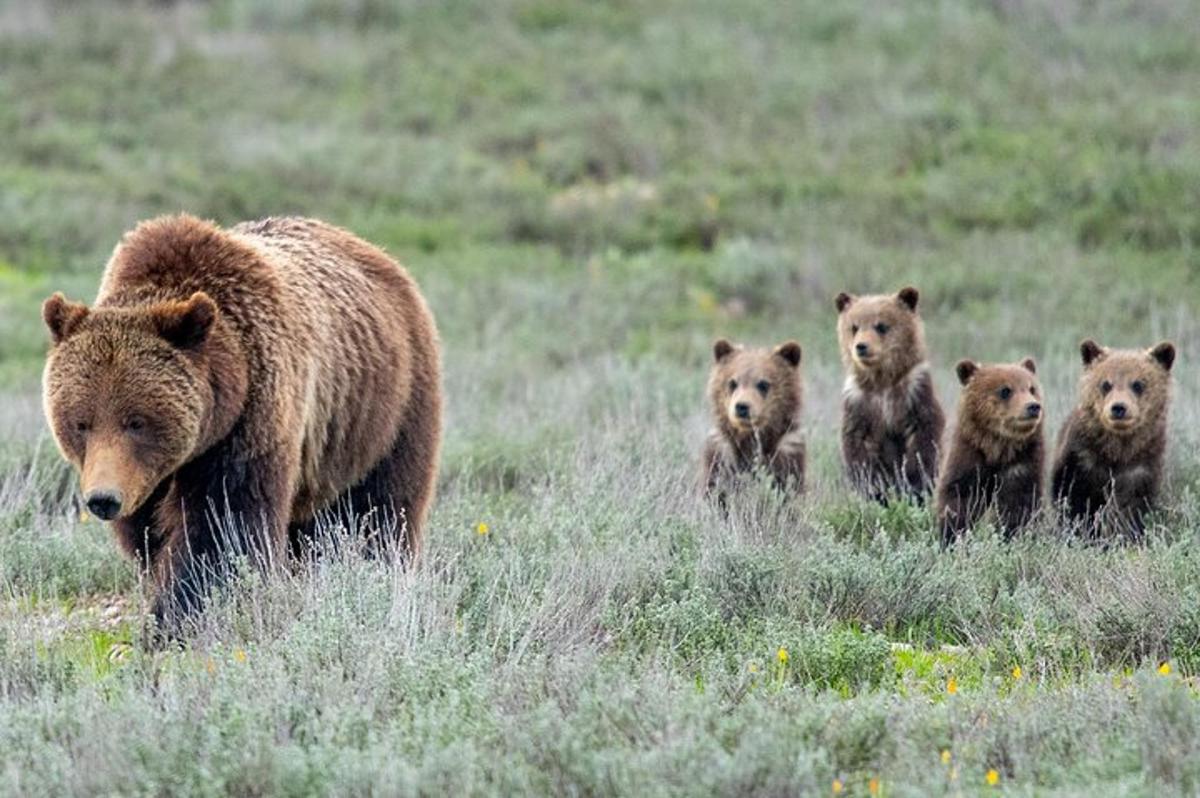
x: 1118, y: 411
x: 862, y: 349
x: 742, y: 410
x: 103, y: 504
x: 1033, y: 410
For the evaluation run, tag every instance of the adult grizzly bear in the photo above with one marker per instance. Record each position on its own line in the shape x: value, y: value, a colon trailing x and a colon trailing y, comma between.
x: 229, y: 385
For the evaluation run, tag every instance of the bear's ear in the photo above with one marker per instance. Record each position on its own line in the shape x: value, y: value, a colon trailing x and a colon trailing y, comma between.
x: 1164, y: 353
x: 722, y: 349
x: 1029, y: 365
x: 965, y: 370
x: 185, y: 325
x: 843, y: 301
x: 908, y: 296
x: 62, y: 316
x: 1090, y: 351
x: 789, y: 351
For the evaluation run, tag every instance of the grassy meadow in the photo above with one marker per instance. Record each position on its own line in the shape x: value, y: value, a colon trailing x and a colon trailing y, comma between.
x: 589, y: 192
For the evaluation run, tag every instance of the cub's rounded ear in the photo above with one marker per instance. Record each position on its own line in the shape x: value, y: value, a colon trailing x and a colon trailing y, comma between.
x: 842, y: 301
x: 1090, y: 351
x: 908, y: 296
x: 789, y: 351
x: 186, y: 324
x: 1164, y: 353
x: 1029, y: 365
x: 965, y: 370
x: 62, y: 316
x: 722, y: 349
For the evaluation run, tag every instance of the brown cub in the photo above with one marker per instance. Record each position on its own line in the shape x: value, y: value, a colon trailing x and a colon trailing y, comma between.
x: 231, y: 386
x: 892, y: 421
x: 757, y: 396
x: 1110, y: 452
x: 996, y: 453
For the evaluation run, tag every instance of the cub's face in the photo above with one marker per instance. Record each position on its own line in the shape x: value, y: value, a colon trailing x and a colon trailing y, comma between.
x: 879, y: 333
x: 755, y: 389
x: 124, y: 397
x: 1126, y: 389
x: 1005, y: 400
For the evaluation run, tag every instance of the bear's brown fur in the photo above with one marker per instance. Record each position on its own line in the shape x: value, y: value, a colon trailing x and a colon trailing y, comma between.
x: 892, y: 422
x: 228, y: 386
x: 757, y: 396
x: 996, y: 453
x: 1110, y: 456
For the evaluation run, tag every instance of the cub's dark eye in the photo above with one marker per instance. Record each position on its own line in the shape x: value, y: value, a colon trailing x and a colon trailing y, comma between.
x: 763, y: 386
x: 1105, y: 386
x: 1138, y: 387
x: 82, y: 426
x: 854, y: 329
x: 134, y: 424
x: 1033, y: 390
x: 733, y: 385
x: 1005, y: 393
x: 881, y: 328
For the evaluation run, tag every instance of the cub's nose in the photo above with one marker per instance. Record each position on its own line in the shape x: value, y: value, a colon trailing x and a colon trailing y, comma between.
x: 862, y: 349
x: 1118, y: 411
x: 1033, y: 410
x: 104, y: 504
x: 742, y: 410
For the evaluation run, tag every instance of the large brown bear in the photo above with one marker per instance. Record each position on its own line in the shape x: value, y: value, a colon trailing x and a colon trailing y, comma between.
x: 996, y: 454
x: 892, y: 422
x: 230, y: 385
x: 1110, y: 454
x: 757, y: 396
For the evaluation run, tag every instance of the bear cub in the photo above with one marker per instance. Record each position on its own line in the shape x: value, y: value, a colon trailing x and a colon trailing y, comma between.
x: 1110, y: 455
x: 892, y: 422
x: 996, y: 452
x: 757, y: 397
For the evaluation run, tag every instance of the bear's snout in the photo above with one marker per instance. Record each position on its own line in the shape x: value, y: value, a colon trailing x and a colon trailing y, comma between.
x: 741, y: 410
x: 104, y: 504
x: 1118, y: 411
x: 1033, y: 410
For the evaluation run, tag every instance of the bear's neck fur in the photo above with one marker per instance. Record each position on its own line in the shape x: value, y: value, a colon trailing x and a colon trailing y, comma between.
x: 1145, y: 442
x: 996, y: 448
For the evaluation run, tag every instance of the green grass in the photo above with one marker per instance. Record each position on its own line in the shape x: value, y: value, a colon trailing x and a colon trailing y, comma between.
x: 589, y: 193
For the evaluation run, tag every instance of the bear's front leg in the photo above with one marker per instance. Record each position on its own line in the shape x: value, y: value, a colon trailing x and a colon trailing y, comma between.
x: 1018, y: 497
x: 223, y: 507
x: 1133, y: 493
x: 961, y: 501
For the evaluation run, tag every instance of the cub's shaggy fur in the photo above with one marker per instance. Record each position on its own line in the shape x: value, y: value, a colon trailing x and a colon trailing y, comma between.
x: 230, y: 386
x: 1110, y: 456
x: 757, y: 396
x: 996, y: 453
x: 892, y: 422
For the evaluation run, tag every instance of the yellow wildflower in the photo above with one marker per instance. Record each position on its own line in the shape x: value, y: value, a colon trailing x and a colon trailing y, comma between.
x: 481, y: 528
x: 837, y: 786
x: 239, y: 655
x: 1165, y: 668
x: 752, y: 667
x: 993, y: 778
x: 945, y: 756
x: 1017, y: 673
x: 873, y: 785
x: 782, y: 655
x: 952, y: 685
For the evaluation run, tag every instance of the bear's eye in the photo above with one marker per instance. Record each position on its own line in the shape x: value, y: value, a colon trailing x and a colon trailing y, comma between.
x: 1138, y: 387
x: 854, y: 329
x: 763, y: 386
x: 1033, y: 390
x: 881, y: 328
x: 733, y: 385
x: 1005, y: 393
x: 1105, y: 386
x: 134, y: 423
x: 82, y: 426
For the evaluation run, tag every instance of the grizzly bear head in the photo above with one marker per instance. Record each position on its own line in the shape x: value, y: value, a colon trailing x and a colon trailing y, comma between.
x: 1000, y: 402
x: 1126, y: 390
x: 755, y: 390
x: 131, y: 395
x: 881, y: 336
